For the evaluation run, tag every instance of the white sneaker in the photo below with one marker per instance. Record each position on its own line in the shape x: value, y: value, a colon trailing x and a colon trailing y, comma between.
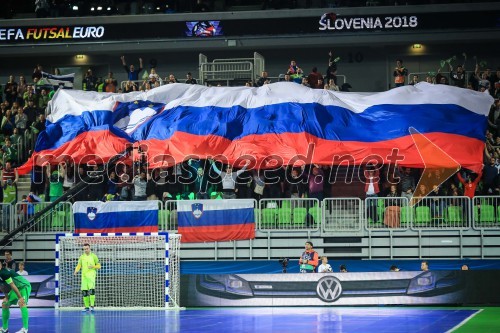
x: 22, y: 330
x: 4, y: 330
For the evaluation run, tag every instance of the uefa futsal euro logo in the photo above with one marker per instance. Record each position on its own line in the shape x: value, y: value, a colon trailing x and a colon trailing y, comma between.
x: 91, y: 213
x: 197, y: 210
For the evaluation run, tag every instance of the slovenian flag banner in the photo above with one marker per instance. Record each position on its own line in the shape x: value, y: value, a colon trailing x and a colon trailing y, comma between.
x: 115, y: 216
x: 271, y: 125
x: 216, y: 220
x: 66, y: 80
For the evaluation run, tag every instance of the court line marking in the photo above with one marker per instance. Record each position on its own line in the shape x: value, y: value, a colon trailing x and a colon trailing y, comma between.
x: 462, y: 323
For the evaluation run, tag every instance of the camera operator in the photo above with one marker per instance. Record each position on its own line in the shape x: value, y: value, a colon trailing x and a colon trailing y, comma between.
x: 309, y: 259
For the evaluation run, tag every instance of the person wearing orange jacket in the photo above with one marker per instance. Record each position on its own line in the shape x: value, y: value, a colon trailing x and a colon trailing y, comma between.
x: 309, y: 259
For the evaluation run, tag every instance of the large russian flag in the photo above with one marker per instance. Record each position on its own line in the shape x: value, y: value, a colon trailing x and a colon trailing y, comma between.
x: 115, y: 216
x: 216, y: 220
x: 273, y: 123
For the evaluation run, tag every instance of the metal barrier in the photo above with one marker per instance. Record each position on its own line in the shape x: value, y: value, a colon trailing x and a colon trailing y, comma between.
x: 6, y: 216
x: 442, y: 213
x: 227, y: 71
x: 59, y: 219
x: 388, y: 213
x: 289, y: 214
x: 486, y: 212
x: 342, y: 214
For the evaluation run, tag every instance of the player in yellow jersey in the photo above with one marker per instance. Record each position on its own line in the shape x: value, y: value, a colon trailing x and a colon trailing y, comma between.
x: 89, y: 264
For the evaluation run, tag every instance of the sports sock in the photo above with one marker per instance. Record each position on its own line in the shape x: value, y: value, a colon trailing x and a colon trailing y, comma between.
x: 86, y: 301
x: 92, y: 300
x: 24, y: 315
x: 5, y: 318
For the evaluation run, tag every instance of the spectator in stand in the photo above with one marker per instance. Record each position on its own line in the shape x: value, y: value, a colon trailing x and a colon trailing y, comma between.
x: 15, y: 137
x: 295, y: 72
x: 189, y: 79
x: 31, y: 112
x: 305, y: 82
x: 43, y: 99
x: 21, y: 120
x: 414, y: 80
x: 30, y: 94
x: 9, y: 262
x: 89, y: 82
x: 131, y: 86
x: 372, y: 177
x: 457, y: 77
x: 295, y: 187
x: 400, y: 73
x: 490, y: 172
x: 8, y: 123
x: 469, y: 184
x: 37, y: 73
x: 316, y: 181
x: 229, y: 179
x: 110, y: 83
x: 39, y: 125
x: 287, y: 78
x: 21, y: 270
x: 331, y: 86
x: 21, y: 89
x: 10, y: 90
x: 97, y: 183
x: 69, y: 177
x: 407, y: 183
x: 262, y: 80
x: 154, y: 79
x: 331, y: 71
x: 56, y: 181
x: 132, y: 74
x: 140, y: 184
x: 393, y: 208
x: 171, y: 79
x: 10, y: 150
x: 314, y: 77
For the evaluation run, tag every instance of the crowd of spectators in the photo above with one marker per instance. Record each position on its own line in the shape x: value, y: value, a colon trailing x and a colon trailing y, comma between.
x: 23, y: 106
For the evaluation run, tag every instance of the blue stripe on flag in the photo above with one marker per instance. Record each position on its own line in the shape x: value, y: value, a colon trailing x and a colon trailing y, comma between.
x: 217, y: 217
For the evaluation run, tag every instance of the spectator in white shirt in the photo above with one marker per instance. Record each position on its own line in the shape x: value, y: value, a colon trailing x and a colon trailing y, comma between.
x: 325, y: 266
x: 21, y: 270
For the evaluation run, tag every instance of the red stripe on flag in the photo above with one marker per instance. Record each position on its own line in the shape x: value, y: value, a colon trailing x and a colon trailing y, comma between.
x: 217, y: 233
x: 115, y: 230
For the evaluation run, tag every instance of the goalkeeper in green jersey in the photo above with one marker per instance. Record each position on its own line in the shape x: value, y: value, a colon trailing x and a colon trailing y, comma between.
x: 19, y: 294
x: 89, y: 264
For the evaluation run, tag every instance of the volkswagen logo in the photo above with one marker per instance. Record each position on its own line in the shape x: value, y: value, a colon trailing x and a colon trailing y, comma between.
x: 329, y: 289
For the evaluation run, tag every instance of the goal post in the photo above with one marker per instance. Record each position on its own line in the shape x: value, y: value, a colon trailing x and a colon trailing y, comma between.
x: 138, y: 270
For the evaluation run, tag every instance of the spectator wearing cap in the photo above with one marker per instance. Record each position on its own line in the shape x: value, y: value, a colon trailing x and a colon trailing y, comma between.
x: 190, y: 79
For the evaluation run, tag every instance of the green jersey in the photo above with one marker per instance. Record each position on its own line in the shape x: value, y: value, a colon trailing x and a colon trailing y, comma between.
x: 85, y: 261
x: 8, y: 277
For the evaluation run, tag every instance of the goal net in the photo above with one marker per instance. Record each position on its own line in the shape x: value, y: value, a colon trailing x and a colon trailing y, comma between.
x: 137, y: 270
